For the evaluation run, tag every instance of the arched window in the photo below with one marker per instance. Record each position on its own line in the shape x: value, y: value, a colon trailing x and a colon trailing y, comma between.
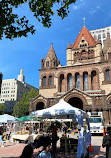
x: 69, y: 82
x: 44, y: 81
x: 61, y: 83
x: 107, y: 75
x: 50, y: 80
x: 85, y: 81
x: 77, y: 80
x: 94, y: 80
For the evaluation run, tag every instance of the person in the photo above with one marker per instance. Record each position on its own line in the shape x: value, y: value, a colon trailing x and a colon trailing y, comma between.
x: 1, y: 137
x: 27, y: 152
x: 47, y: 147
x: 27, y: 127
x: 39, y: 144
x: 28, y: 149
x: 107, y: 142
x: 81, y: 148
x: 87, y: 137
x: 54, y: 138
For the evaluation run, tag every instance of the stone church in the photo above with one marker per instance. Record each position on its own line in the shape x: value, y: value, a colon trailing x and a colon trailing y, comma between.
x: 85, y: 81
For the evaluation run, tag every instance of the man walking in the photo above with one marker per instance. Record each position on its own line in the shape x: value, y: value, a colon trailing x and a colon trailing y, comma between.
x: 107, y: 142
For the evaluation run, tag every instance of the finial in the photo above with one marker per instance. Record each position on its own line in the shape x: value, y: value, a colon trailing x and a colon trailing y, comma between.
x: 51, y: 43
x: 84, y: 20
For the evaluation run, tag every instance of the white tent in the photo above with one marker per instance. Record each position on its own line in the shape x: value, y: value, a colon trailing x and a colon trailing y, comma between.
x: 6, y: 118
x: 61, y: 110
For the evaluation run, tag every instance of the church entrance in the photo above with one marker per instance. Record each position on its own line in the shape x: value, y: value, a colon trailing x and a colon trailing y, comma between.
x: 76, y: 102
x: 40, y: 106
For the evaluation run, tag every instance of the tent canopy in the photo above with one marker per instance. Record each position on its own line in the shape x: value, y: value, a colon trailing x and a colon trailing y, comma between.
x: 25, y: 118
x: 62, y: 109
x: 7, y: 118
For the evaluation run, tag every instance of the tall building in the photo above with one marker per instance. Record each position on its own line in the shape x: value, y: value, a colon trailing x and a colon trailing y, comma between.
x: 12, y: 90
x: 0, y: 81
x: 101, y: 34
x: 85, y: 81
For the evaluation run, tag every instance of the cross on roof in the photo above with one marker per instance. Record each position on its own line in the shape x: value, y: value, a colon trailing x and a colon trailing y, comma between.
x: 84, y: 20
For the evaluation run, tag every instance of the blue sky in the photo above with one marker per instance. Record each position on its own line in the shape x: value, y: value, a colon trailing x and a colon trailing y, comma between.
x: 26, y: 53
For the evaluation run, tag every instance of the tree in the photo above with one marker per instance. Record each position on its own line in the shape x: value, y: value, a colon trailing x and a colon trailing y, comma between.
x: 2, y: 108
x: 11, y: 26
x: 22, y: 108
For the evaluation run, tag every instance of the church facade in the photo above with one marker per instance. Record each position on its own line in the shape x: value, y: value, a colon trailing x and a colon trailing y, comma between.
x: 85, y: 81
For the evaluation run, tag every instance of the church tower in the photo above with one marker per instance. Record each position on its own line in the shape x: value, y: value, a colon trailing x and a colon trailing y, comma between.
x: 21, y: 77
x: 51, y: 60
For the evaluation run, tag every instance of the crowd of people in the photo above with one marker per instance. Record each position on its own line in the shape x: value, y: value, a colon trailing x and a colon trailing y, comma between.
x: 43, y: 145
x: 46, y: 145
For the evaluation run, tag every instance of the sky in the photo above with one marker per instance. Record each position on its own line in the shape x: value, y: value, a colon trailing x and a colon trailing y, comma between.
x: 26, y: 52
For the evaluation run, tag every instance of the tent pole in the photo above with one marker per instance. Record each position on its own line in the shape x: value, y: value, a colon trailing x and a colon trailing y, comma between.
x: 66, y: 150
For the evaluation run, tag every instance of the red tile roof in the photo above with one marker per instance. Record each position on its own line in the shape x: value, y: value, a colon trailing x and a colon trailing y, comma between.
x: 87, y: 35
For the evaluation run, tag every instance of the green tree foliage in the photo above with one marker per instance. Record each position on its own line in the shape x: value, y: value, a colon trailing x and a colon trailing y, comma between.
x: 2, y: 108
x: 11, y: 26
x: 22, y: 108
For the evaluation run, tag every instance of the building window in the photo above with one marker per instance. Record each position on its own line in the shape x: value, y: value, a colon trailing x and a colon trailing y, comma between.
x: 69, y: 82
x: 47, y: 63
x: 85, y: 81
x: 44, y: 81
x: 77, y: 80
x: 61, y: 83
x: 95, y: 37
x: 94, y: 80
x: 104, y: 36
x: 99, y: 36
x: 50, y: 80
x: 107, y: 75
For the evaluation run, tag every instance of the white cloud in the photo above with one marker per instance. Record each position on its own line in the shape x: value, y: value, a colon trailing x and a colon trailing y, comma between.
x: 92, y: 11
x: 79, y: 4
x: 75, y: 7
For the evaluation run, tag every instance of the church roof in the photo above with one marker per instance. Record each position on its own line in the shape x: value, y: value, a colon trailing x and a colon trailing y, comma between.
x: 87, y: 35
x: 51, y: 53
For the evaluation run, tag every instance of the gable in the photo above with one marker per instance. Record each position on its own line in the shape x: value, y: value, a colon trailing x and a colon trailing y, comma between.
x: 87, y: 36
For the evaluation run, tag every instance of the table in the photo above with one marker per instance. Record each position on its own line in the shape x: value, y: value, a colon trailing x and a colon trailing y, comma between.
x: 72, y: 141
x: 25, y: 137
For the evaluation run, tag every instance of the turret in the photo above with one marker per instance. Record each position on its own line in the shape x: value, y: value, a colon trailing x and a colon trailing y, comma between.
x: 106, y: 47
x: 51, y: 60
x: 69, y: 54
x: 21, y: 77
x: 98, y: 51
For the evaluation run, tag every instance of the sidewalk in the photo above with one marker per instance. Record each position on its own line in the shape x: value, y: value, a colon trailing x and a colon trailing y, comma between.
x: 14, y: 150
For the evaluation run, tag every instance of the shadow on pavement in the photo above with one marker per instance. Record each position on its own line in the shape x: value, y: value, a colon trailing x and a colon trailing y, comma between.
x: 96, y: 152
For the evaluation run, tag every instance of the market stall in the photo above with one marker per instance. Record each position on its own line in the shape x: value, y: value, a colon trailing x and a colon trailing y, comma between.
x: 63, y: 110
x: 5, y: 118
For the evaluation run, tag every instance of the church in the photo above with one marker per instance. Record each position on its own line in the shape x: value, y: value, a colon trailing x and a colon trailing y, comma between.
x: 85, y: 81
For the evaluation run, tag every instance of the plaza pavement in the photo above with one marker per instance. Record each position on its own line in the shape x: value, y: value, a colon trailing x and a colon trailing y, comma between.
x: 14, y: 150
